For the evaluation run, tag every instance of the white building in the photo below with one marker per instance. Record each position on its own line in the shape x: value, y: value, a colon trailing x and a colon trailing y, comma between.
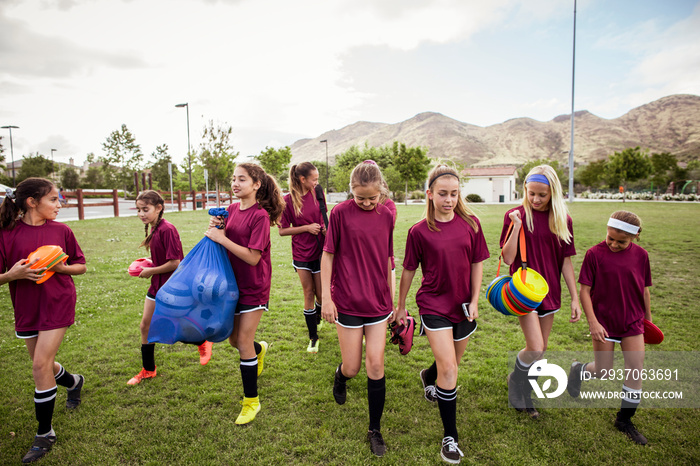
x: 493, y: 184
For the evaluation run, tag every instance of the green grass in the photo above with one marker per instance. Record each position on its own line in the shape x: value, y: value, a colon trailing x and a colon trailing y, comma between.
x: 186, y: 414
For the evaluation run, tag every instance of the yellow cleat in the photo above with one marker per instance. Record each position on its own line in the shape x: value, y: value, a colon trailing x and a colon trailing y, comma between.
x: 251, y: 407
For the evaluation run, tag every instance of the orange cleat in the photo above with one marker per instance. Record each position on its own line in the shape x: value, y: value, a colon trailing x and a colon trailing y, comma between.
x: 205, y: 352
x: 144, y: 374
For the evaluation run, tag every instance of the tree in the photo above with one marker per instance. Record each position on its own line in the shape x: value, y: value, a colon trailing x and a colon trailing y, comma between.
x: 276, y: 161
x: 159, y: 168
x: 2, y: 151
x: 70, y: 179
x: 663, y: 165
x: 122, y: 158
x: 323, y: 171
x: 217, y: 154
x: 591, y: 175
x: 94, y: 178
x: 629, y: 165
x: 525, y: 169
x: 412, y: 163
x: 35, y: 166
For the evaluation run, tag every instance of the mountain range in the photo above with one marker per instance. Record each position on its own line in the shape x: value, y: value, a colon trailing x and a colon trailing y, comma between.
x: 670, y: 124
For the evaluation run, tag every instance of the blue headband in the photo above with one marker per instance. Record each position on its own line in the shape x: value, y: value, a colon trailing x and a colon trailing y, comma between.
x: 537, y: 179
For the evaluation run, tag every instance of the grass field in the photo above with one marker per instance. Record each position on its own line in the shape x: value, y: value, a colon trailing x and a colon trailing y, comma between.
x: 186, y: 415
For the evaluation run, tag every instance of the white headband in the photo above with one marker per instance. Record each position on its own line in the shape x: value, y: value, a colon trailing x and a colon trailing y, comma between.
x: 624, y: 226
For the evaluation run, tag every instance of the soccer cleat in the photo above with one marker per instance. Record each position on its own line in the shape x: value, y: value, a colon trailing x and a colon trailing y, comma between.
x: 340, y: 390
x: 205, y: 352
x: 73, y: 399
x: 40, y: 447
x: 515, y: 394
x: 429, y: 390
x: 529, y: 406
x: 574, y: 384
x: 313, y: 346
x: 251, y: 407
x: 144, y: 374
x: 376, y: 442
x: 450, y: 452
x: 627, y: 428
x: 402, y: 335
x: 261, y: 356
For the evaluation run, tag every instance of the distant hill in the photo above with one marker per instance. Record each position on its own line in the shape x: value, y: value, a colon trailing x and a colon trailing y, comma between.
x: 670, y: 124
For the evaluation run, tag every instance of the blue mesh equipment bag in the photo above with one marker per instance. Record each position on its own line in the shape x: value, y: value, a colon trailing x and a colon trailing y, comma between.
x: 198, y: 301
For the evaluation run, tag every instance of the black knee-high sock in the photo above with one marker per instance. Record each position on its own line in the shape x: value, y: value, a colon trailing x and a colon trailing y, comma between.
x: 431, y: 374
x: 447, y: 402
x: 65, y: 379
x: 148, y: 357
x: 629, y: 403
x: 44, y: 402
x: 317, y: 307
x: 376, y: 394
x: 520, y: 371
x: 249, y: 376
x: 311, y: 324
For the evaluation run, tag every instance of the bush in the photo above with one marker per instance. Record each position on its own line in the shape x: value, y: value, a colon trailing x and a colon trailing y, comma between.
x: 399, y: 196
x: 474, y: 198
x: 417, y: 194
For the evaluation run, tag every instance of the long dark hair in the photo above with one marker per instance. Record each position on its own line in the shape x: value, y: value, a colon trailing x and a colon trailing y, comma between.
x: 295, y: 189
x: 269, y: 196
x: 15, y: 204
x: 153, y: 198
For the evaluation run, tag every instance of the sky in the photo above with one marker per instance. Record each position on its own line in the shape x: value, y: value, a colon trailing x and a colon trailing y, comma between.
x: 74, y: 71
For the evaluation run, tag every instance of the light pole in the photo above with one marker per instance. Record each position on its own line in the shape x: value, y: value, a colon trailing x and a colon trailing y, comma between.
x: 328, y: 168
x: 571, y: 150
x: 12, y: 153
x: 189, y: 157
x: 53, y: 166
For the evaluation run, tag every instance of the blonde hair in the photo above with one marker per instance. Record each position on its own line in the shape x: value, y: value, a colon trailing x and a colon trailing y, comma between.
x: 461, y: 208
x: 367, y: 173
x: 558, y: 211
x: 295, y: 189
x: 628, y: 217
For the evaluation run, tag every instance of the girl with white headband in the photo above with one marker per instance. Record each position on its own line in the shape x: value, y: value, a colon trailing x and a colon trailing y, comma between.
x: 549, y: 241
x: 615, y: 279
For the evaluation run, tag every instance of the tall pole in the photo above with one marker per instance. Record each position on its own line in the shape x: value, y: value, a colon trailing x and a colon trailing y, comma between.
x: 53, y: 164
x: 189, y: 146
x: 328, y: 168
x: 12, y: 153
x: 571, y: 149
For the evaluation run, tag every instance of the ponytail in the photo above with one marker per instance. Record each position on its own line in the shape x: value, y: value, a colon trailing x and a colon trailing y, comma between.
x: 15, y: 204
x: 269, y: 196
x: 295, y: 189
x: 154, y: 199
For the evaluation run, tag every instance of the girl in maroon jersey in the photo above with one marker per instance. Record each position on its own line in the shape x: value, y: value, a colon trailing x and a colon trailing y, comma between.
x: 449, y: 246
x: 165, y: 246
x: 247, y: 239
x: 43, y: 312
x: 549, y: 240
x: 615, y: 279
x: 355, y: 277
x: 302, y: 220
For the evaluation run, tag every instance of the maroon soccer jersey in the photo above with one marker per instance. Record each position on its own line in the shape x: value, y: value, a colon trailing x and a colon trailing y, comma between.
x: 165, y: 246
x: 545, y: 253
x: 49, y: 305
x: 362, y: 243
x: 250, y: 228
x: 306, y: 247
x: 445, y: 257
x: 617, y: 281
